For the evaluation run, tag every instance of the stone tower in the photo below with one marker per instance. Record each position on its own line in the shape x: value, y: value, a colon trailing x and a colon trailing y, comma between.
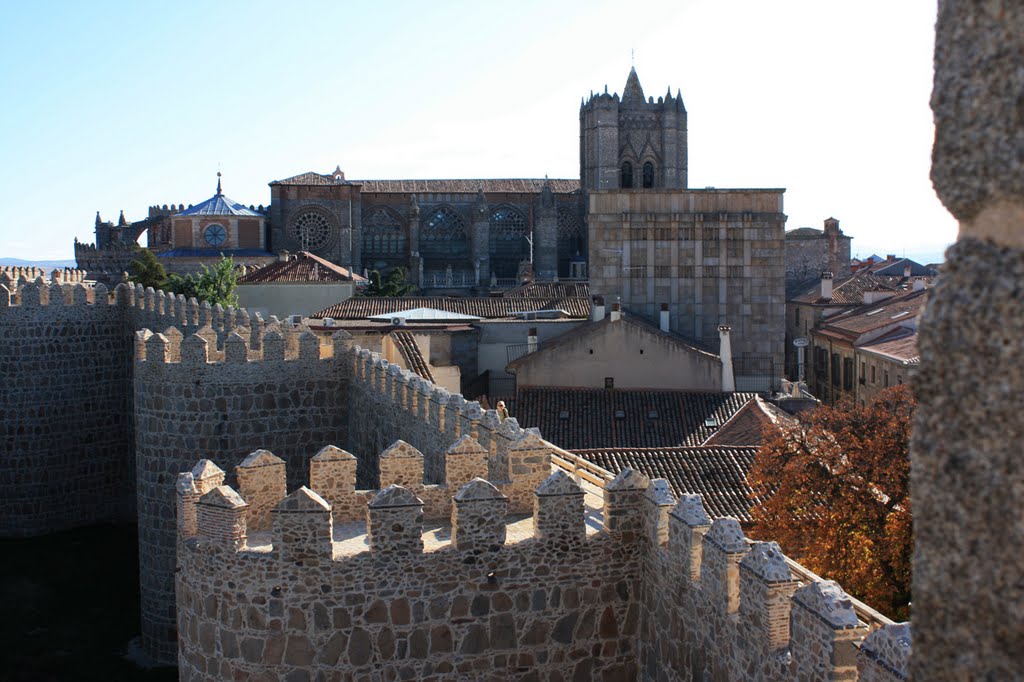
x: 633, y: 142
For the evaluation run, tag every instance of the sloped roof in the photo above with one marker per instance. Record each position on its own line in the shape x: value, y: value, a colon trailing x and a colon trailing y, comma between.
x: 365, y: 307
x: 576, y: 418
x: 440, y: 186
x: 717, y: 473
x: 848, y: 290
x: 302, y: 267
x: 410, y: 351
x: 899, y: 345
x: 550, y: 290
x: 750, y: 425
x: 588, y: 328
x: 853, y: 323
x: 219, y: 204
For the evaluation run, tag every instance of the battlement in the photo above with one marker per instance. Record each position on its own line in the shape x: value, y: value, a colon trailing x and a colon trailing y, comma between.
x: 656, y: 572
x: 262, y: 483
x: 55, y: 292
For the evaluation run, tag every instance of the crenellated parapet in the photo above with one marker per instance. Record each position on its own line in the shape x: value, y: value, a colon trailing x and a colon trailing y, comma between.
x: 691, y: 595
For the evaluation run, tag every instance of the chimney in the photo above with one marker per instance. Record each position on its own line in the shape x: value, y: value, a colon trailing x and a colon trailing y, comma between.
x: 906, y: 269
x: 876, y: 295
x: 531, y: 340
x: 283, y: 256
x: 664, y: 319
x: 616, y: 313
x: 826, y: 285
x: 890, y: 257
x: 597, y: 311
x: 918, y: 284
x: 725, y: 354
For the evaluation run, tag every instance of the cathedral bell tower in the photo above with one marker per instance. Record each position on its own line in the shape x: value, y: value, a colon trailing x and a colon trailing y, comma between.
x: 632, y: 142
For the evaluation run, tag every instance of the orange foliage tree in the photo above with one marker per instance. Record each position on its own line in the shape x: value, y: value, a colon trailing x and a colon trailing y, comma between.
x: 835, y: 495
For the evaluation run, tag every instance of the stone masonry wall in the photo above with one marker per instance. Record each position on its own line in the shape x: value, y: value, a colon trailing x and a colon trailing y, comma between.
x: 290, y: 403
x: 65, y: 422
x: 616, y: 604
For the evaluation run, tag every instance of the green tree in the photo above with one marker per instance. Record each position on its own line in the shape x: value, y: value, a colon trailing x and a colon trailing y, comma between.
x: 394, y: 285
x: 147, y: 270
x: 835, y: 495
x: 215, y: 285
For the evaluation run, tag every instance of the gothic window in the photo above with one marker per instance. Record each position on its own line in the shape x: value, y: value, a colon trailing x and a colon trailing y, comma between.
x: 508, y: 245
x: 311, y: 230
x: 443, y: 239
x: 384, y: 240
x: 648, y: 175
x: 215, y: 234
x: 570, y: 240
x: 627, y: 175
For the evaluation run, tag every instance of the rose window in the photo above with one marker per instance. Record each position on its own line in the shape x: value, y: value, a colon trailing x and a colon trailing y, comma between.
x: 311, y: 230
x: 215, y: 235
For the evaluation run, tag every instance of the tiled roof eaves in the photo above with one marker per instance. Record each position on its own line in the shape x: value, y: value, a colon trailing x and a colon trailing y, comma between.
x: 717, y: 473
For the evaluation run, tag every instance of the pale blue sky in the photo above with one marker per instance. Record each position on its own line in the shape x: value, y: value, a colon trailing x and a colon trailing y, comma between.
x: 119, y: 105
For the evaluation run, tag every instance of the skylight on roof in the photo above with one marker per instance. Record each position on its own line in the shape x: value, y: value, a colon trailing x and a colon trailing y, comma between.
x: 901, y: 314
x: 620, y: 414
x: 875, y: 312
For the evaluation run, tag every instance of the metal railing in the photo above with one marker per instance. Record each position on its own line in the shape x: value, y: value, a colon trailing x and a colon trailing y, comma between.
x: 449, y: 280
x: 599, y: 476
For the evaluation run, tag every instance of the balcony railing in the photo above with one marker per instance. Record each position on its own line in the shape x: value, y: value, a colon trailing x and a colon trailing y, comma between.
x: 449, y: 280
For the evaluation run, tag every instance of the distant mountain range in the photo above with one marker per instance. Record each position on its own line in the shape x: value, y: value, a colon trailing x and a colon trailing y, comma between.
x: 22, y: 263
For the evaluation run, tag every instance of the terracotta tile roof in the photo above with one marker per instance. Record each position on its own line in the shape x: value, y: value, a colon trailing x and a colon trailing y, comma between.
x: 864, y: 318
x: 301, y: 267
x: 899, y: 345
x: 750, y: 425
x: 575, y: 418
x: 410, y: 351
x: 362, y: 307
x: 550, y: 290
x: 465, y: 186
x: 849, y: 290
x: 717, y: 473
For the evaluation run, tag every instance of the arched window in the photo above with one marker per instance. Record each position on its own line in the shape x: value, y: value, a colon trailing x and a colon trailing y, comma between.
x: 443, y: 240
x: 384, y: 240
x: 648, y: 175
x: 570, y: 240
x: 627, y: 175
x: 508, y: 245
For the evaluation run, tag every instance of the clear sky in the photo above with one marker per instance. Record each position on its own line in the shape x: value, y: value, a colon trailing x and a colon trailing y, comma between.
x: 119, y: 105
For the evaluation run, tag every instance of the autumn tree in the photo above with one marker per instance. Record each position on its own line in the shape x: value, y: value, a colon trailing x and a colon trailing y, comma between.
x: 835, y: 495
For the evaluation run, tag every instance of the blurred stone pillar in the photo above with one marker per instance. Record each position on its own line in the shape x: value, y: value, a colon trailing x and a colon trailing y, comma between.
x: 967, y: 473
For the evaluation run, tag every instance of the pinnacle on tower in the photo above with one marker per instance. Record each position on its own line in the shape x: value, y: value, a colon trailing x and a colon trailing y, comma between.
x: 633, y: 89
x: 121, y: 222
x: 99, y: 221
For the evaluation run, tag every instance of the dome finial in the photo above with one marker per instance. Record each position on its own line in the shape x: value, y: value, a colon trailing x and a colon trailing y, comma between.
x: 218, y: 184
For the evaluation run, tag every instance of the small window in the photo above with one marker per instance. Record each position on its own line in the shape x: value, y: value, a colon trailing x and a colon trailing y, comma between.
x: 652, y: 414
x: 620, y: 414
x: 215, y: 234
x: 873, y: 379
x: 648, y: 175
x: 641, y: 351
x: 591, y: 351
x: 797, y: 315
x: 609, y: 382
x: 627, y: 175
x: 563, y: 415
x: 885, y: 379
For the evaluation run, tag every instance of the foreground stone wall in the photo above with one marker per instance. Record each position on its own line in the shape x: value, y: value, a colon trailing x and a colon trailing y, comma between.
x: 660, y: 593
x: 287, y: 402
x: 967, y: 478
x: 65, y: 413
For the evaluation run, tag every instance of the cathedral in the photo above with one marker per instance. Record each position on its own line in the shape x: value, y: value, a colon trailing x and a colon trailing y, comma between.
x: 630, y: 226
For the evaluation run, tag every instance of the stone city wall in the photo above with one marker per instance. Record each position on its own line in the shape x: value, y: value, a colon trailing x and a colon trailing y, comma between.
x: 286, y: 401
x: 65, y: 431
x: 659, y: 593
